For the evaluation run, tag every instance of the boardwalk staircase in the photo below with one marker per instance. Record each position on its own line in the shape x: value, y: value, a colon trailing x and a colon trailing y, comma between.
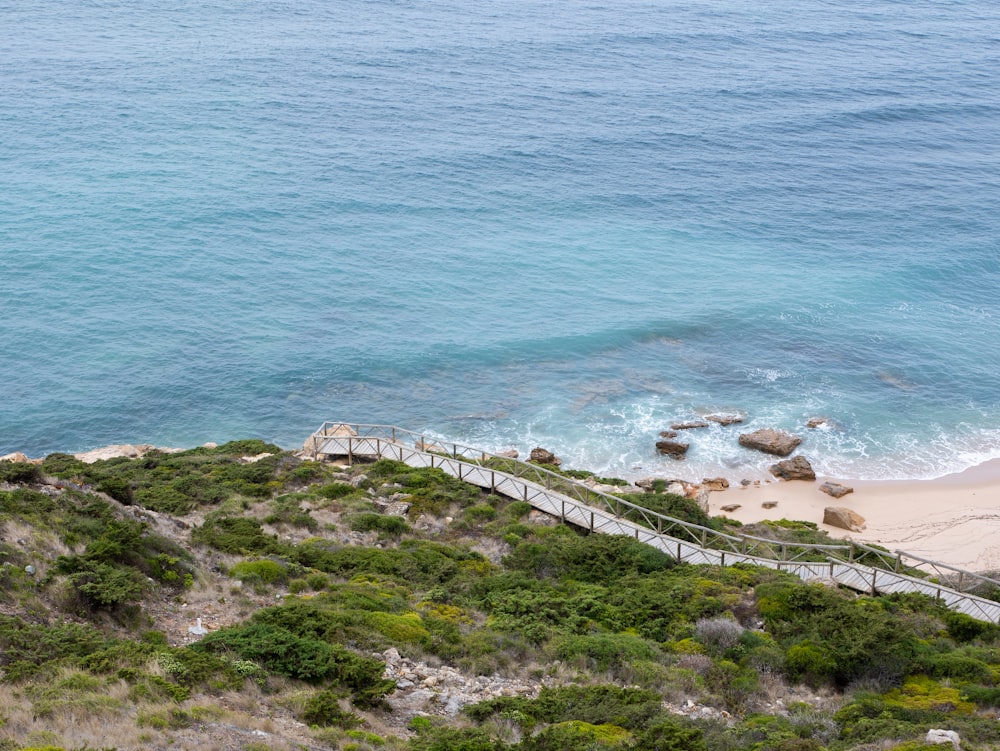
x: 851, y: 564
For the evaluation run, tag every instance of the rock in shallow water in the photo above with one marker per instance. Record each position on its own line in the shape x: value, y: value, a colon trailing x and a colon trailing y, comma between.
x: 675, y: 449
x: 770, y: 441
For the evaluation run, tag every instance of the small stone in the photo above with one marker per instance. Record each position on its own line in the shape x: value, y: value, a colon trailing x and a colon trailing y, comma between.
x: 745, y: 483
x: 29, y: 570
x: 730, y: 507
x: 817, y: 422
x: 769, y: 504
x: 668, y: 434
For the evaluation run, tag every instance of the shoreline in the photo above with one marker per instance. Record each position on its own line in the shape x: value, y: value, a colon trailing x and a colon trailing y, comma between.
x: 954, y: 519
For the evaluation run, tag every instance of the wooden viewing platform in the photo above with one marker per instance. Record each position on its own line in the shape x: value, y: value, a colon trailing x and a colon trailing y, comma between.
x: 851, y: 564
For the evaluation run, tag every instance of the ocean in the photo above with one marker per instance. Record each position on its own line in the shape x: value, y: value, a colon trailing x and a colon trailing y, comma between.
x: 560, y: 223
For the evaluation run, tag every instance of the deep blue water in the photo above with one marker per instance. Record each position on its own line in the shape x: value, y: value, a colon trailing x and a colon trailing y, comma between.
x: 509, y: 223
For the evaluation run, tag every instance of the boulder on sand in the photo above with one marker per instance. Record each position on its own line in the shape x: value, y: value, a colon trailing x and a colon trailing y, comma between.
x: 770, y: 441
x: 715, y: 483
x: 844, y: 518
x: 835, y: 489
x: 796, y: 468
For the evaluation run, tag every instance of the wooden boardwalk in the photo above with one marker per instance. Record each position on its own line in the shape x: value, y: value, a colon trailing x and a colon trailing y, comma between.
x: 577, y: 504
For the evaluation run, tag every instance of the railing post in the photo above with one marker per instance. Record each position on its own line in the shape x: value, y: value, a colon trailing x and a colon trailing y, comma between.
x: 899, y: 561
x: 704, y: 539
x: 350, y: 451
x: 874, y: 575
x: 493, y: 481
x: 591, y: 521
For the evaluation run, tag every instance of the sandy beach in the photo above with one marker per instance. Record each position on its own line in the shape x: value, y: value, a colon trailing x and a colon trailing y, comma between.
x: 953, y: 519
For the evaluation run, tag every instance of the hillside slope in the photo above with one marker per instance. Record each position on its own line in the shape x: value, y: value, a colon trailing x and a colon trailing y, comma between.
x: 239, y: 597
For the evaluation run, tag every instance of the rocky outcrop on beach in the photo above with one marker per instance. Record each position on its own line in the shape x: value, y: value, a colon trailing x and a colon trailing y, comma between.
x: 770, y: 441
x: 715, y: 483
x: 126, y: 450
x: 19, y: 458
x: 796, y: 468
x: 843, y: 518
x: 544, y: 456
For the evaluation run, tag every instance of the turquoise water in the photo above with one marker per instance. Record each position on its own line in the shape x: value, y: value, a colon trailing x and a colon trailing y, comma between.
x: 513, y: 224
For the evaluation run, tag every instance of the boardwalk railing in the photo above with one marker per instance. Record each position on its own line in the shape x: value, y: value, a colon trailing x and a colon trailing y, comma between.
x: 851, y: 564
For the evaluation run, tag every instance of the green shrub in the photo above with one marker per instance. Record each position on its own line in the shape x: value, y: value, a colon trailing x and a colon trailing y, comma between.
x: 577, y: 735
x: 671, y: 734
x: 323, y: 709
x: 20, y: 472
x: 336, y: 490
x: 605, y: 651
x: 518, y: 509
x: 593, y: 558
x: 628, y: 708
x: 263, y: 570
x: 863, y: 641
x: 390, y: 526
x: 238, y: 534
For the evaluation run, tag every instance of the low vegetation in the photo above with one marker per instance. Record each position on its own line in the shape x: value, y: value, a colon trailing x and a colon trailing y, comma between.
x: 310, y: 587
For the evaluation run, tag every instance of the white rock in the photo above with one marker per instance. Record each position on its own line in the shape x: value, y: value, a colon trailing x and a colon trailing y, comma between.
x: 944, y: 736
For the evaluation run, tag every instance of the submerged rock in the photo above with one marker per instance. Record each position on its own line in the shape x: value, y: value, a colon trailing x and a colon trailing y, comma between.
x: 675, y: 449
x: 725, y: 419
x: 688, y: 425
